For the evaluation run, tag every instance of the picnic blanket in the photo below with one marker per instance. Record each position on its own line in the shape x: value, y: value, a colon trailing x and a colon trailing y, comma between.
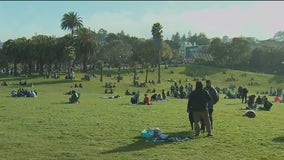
x: 155, y: 135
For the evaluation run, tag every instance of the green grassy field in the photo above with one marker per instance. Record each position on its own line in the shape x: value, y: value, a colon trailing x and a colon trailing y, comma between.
x: 47, y: 127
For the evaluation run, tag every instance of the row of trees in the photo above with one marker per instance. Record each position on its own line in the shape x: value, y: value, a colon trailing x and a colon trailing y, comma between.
x: 242, y: 53
x: 87, y: 47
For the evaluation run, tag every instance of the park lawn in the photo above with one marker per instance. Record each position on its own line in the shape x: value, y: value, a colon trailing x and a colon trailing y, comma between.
x: 47, y: 127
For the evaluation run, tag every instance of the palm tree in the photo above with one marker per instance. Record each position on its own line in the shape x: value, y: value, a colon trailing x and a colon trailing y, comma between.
x: 158, y: 38
x: 71, y: 21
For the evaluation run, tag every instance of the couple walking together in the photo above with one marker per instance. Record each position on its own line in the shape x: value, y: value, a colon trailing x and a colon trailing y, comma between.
x: 200, y: 103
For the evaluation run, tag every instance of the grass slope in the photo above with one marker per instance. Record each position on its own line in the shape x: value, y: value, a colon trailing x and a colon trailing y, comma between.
x: 47, y: 127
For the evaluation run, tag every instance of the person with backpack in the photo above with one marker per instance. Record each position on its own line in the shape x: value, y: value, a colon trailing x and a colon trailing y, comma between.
x: 197, y: 104
x: 214, y: 99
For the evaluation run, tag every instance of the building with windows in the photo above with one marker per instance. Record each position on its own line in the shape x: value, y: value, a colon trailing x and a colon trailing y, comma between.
x: 183, y: 46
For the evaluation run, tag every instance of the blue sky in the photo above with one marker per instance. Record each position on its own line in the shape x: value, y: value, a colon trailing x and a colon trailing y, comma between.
x: 260, y: 19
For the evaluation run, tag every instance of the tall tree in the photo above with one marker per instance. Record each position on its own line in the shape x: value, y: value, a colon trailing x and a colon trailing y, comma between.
x: 218, y: 51
x: 60, y: 44
x: 10, y: 51
x: 176, y: 38
x: 193, y: 39
x: 158, y: 38
x: 86, y: 45
x: 167, y: 53
x: 101, y: 35
x: 202, y: 39
x: 239, y: 51
x: 43, y: 48
x: 101, y: 67
x: 4, y: 59
x: 70, y: 55
x: 15, y: 51
x: 71, y: 21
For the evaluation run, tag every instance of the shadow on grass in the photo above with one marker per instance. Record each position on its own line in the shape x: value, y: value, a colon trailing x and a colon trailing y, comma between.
x: 56, y: 82
x: 65, y: 102
x: 277, y: 79
x: 278, y: 139
x: 142, y: 143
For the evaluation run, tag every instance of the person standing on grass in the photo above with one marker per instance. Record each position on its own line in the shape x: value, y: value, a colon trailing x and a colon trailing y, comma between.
x: 214, y: 99
x: 244, y: 95
x: 198, y: 105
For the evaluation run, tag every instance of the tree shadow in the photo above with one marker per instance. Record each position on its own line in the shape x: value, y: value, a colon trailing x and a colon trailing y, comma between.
x: 141, y: 143
x: 65, y: 102
x: 277, y: 79
x: 278, y: 139
x: 57, y: 82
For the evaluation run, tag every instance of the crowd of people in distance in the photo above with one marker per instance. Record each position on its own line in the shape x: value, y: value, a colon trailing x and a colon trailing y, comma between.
x: 70, y: 76
x: 147, y: 100
x: 23, y: 93
x: 231, y: 93
x: 54, y: 75
x: 179, y: 91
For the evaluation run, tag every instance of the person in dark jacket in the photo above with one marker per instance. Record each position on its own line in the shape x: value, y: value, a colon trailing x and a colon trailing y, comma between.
x: 198, y: 104
x: 214, y: 99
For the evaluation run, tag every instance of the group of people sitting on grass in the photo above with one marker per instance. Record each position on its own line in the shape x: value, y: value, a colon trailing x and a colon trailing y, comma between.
x: 78, y: 86
x: 108, y: 91
x: 127, y: 93
x: 159, y: 97
x: 147, y: 100
x: 253, y: 104
x: 23, y: 93
x: 135, y: 99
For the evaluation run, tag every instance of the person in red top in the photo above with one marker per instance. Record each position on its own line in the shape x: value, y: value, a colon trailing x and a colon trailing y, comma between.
x: 277, y: 99
x: 146, y: 100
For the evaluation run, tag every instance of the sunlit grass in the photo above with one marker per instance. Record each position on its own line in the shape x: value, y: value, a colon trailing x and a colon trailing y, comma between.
x: 47, y: 127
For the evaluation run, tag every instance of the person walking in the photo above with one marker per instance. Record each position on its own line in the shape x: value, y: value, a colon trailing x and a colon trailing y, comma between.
x: 214, y: 99
x: 198, y: 105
